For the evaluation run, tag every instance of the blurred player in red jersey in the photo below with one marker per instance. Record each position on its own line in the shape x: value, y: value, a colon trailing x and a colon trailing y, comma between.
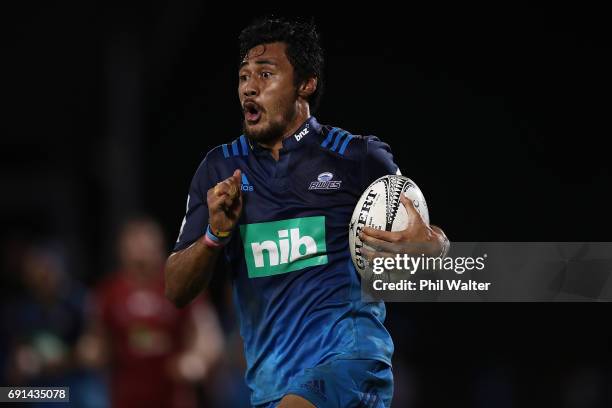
x: 156, y: 353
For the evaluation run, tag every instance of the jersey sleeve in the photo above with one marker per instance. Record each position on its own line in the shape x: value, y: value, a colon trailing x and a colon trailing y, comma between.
x: 196, y: 215
x: 378, y: 160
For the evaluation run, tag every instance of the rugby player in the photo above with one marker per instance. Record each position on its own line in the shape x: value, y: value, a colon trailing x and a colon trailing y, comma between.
x: 277, y: 201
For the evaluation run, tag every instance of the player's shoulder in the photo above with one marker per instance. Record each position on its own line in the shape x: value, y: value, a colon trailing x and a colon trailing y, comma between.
x: 345, y: 143
x: 227, y: 153
x: 221, y: 160
x: 235, y: 148
x: 109, y: 286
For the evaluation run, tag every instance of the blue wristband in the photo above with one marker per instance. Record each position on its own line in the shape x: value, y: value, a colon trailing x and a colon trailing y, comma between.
x: 214, y: 238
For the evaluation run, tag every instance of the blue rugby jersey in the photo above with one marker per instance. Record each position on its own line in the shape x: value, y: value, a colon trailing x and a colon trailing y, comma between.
x: 295, y: 288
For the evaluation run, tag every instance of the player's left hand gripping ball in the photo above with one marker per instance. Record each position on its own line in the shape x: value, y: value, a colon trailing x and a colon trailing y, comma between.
x: 418, y: 237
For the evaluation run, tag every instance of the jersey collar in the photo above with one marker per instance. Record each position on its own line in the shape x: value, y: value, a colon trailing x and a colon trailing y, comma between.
x: 306, y: 134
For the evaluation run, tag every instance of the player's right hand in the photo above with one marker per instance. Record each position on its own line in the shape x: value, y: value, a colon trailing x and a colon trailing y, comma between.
x: 225, y: 203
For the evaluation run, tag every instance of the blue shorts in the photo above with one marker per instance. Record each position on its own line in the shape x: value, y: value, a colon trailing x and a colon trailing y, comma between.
x: 344, y: 383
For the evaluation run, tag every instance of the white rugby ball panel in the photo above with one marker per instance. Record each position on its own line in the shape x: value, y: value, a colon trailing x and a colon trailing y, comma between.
x: 380, y: 207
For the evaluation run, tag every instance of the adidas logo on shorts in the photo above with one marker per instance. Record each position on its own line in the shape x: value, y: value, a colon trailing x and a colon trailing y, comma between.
x: 317, y: 387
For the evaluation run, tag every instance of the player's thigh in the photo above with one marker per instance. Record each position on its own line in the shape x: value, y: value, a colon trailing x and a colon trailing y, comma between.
x: 294, y: 401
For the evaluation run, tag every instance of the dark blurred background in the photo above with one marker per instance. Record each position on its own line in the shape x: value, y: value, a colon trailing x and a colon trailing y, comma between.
x: 501, y: 117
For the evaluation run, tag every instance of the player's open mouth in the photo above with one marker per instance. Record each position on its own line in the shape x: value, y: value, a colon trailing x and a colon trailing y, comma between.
x: 252, y: 112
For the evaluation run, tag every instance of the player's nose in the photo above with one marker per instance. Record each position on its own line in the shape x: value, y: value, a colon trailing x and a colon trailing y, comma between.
x: 250, y: 88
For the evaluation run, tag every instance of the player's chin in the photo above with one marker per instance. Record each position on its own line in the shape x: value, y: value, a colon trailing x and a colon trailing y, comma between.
x: 255, y: 131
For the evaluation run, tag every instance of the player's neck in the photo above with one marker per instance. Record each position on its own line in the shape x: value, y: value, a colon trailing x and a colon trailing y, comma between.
x: 303, y: 113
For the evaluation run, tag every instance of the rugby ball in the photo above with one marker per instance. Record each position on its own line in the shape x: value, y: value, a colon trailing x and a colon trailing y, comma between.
x: 380, y: 207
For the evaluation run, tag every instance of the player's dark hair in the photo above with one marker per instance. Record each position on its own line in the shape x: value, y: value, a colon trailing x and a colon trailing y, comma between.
x: 303, y: 49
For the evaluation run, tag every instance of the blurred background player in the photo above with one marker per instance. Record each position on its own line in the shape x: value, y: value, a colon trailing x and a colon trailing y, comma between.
x: 158, y: 356
x: 41, y: 327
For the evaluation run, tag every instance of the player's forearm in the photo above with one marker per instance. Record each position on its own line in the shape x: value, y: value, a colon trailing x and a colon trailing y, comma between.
x: 189, y: 271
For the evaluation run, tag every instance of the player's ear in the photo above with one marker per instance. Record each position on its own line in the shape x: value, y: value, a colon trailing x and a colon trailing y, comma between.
x: 308, y: 87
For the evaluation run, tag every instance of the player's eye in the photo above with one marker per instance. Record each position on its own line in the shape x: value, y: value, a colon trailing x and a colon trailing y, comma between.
x: 266, y: 74
x: 243, y: 78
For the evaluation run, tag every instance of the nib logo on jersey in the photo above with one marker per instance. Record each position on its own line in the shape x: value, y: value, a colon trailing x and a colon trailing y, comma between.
x: 325, y: 182
x: 273, y: 248
x: 245, y: 186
